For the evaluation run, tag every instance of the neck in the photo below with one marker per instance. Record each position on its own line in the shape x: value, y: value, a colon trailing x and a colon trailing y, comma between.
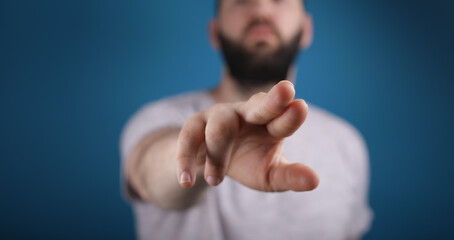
x: 230, y: 90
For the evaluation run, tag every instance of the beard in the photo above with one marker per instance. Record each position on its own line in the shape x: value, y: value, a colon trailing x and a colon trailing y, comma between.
x: 252, y: 69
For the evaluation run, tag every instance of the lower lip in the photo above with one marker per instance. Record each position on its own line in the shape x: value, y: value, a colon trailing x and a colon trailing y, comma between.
x: 260, y: 32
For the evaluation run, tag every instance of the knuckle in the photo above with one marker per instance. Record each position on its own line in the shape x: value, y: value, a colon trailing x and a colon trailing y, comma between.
x: 258, y: 115
x: 257, y: 95
x: 184, y: 159
x: 185, y: 135
x: 197, y: 117
x: 219, y: 133
x: 223, y: 124
x: 192, y: 127
x: 219, y: 108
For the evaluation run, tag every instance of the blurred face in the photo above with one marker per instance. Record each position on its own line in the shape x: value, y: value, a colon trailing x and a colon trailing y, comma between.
x: 259, y: 38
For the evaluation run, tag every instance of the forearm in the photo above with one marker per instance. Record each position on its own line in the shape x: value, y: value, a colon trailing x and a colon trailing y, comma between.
x: 152, y: 172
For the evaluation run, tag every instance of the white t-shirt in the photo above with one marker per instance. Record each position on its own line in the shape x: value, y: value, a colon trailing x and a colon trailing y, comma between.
x: 337, y: 209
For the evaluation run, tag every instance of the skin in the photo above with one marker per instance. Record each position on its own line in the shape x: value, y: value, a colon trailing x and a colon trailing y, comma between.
x: 241, y: 136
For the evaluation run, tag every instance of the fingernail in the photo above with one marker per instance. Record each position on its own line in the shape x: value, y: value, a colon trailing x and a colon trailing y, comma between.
x: 185, y: 177
x: 213, y: 181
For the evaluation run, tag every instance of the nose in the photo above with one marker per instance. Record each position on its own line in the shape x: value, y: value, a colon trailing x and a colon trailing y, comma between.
x: 262, y: 9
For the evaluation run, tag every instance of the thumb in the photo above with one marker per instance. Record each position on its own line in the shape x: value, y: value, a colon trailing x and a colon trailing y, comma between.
x: 293, y: 176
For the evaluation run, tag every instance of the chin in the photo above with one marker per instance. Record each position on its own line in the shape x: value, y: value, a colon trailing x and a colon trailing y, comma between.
x: 263, y: 48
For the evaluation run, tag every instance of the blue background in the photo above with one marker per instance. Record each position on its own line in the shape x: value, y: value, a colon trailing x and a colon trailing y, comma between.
x: 73, y: 72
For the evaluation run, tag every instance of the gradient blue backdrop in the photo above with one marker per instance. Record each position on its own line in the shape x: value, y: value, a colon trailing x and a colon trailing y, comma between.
x: 73, y: 71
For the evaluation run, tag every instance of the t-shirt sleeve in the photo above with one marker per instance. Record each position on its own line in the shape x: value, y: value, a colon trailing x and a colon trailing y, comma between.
x: 361, y: 213
x: 148, y: 119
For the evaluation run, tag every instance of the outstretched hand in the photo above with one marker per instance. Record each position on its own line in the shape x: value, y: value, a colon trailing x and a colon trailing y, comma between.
x: 244, y: 141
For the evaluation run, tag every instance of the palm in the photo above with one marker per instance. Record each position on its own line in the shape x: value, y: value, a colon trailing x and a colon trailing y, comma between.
x: 254, y: 155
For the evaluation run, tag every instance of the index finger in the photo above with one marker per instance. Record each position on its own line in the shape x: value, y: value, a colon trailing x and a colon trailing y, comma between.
x: 261, y: 108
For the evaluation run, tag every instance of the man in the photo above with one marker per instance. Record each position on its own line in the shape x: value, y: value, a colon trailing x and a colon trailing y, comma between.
x: 214, y: 164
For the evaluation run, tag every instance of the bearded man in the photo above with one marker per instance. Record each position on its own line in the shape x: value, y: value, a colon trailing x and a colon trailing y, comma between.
x: 214, y: 164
